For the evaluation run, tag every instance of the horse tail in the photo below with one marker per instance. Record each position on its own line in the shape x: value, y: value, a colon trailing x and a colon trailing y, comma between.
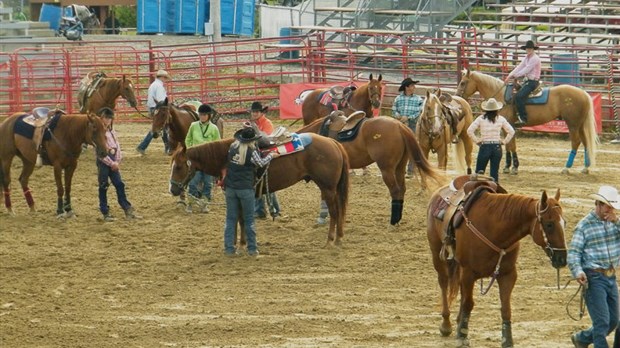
x: 343, y: 186
x: 588, y: 133
x: 417, y: 156
x: 454, y: 280
x: 459, y: 157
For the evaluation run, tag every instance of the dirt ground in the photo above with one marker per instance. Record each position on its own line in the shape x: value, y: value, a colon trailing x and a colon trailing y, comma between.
x: 163, y: 281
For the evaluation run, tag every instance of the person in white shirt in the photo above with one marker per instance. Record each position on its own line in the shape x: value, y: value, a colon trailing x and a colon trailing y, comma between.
x: 157, y: 92
x: 490, y: 126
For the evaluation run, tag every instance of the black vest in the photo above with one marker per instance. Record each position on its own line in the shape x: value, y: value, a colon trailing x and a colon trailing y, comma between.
x: 238, y: 176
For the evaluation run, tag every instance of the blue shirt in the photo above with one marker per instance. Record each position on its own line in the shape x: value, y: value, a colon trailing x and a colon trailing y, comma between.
x: 595, y: 244
x: 407, y: 105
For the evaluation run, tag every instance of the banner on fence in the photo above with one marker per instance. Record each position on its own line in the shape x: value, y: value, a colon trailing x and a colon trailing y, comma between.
x: 292, y: 96
x: 559, y: 126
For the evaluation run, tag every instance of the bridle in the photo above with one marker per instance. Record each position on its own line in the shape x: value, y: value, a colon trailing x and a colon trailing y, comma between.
x: 182, y: 185
x: 374, y: 96
x: 426, y: 125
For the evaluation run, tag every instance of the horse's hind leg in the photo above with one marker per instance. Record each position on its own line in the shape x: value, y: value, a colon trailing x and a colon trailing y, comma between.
x: 59, y: 191
x: 575, y: 142
x: 5, y: 175
x: 68, y: 179
x: 23, y: 180
x: 332, y: 205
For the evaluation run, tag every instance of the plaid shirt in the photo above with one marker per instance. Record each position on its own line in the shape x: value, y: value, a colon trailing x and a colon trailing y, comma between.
x: 410, y: 106
x: 595, y: 244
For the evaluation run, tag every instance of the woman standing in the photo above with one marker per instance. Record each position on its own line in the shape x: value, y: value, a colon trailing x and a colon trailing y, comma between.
x: 490, y: 125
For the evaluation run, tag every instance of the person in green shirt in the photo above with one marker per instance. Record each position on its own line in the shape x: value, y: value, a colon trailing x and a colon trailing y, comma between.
x: 19, y: 16
x: 200, y: 132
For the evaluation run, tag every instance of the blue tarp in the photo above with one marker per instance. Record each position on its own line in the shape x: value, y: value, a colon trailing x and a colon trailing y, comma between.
x: 51, y: 14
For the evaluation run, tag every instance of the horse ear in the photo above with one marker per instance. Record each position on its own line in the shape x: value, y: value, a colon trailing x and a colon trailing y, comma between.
x: 543, y: 200
x: 428, y: 94
x: 380, y: 77
x: 557, y: 195
x: 370, y: 78
x: 438, y: 92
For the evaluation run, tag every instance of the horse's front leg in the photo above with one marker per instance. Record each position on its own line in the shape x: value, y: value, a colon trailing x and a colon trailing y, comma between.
x: 506, y: 283
x: 467, y: 305
x: 23, y: 180
x: 512, y: 158
x: 59, y: 191
x: 68, y: 180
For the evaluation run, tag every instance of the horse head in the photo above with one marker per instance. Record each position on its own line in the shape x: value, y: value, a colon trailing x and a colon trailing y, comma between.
x: 467, y: 86
x: 375, y: 89
x: 548, y: 231
x: 127, y: 91
x: 96, y: 135
x: 161, y: 117
x: 181, y: 172
x: 431, y: 117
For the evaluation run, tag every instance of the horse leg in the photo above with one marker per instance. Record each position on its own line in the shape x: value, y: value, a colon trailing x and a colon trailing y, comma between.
x: 467, y: 305
x: 332, y: 205
x: 23, y: 179
x: 442, y: 278
x: 68, y: 179
x: 575, y: 141
x: 5, y: 176
x: 59, y: 191
x: 323, y: 213
x: 506, y: 283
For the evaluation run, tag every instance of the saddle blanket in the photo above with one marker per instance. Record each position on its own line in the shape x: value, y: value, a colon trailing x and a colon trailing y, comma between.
x: 325, y: 98
x: 27, y: 130
x: 298, y: 143
x: 542, y: 99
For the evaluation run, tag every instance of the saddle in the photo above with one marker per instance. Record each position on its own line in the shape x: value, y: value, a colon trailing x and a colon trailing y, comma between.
x: 455, y: 200
x: 341, y: 127
x: 278, y: 137
x: 88, y: 85
x: 452, y: 110
x: 338, y: 97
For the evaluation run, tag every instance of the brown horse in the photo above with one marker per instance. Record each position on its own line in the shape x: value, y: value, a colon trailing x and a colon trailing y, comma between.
x: 567, y: 102
x: 365, y: 98
x: 487, y: 244
x: 435, y: 133
x: 62, y: 144
x: 390, y: 144
x: 105, y: 93
x: 177, y: 119
x: 323, y: 161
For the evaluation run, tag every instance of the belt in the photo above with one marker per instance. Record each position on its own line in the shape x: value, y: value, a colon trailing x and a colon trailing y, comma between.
x: 608, y: 272
x: 491, y: 142
x: 526, y: 79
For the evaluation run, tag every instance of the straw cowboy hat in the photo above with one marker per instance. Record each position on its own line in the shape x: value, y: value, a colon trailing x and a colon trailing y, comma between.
x: 246, y: 135
x: 491, y: 105
x: 529, y: 44
x: 406, y: 82
x: 257, y: 106
x: 162, y: 73
x: 607, y: 195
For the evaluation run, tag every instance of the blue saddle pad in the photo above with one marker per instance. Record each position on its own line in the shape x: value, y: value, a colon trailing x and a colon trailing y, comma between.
x: 26, y: 130
x: 542, y: 99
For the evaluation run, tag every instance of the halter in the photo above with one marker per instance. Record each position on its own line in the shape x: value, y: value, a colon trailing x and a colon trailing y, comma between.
x: 190, y: 174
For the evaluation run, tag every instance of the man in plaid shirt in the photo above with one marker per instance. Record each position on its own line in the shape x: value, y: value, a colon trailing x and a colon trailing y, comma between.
x: 407, y: 108
x: 592, y: 258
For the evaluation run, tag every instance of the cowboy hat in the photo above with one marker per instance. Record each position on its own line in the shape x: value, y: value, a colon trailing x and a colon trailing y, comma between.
x: 205, y: 109
x: 491, y: 105
x: 607, y: 195
x: 257, y: 106
x: 246, y: 134
x: 406, y: 82
x: 529, y: 44
x: 162, y: 73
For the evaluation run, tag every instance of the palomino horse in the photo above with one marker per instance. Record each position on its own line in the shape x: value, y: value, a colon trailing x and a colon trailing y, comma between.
x: 323, y: 161
x: 99, y: 91
x: 62, y: 145
x: 365, y: 98
x: 567, y: 102
x: 487, y: 245
x: 177, y: 119
x: 381, y: 140
x: 435, y: 133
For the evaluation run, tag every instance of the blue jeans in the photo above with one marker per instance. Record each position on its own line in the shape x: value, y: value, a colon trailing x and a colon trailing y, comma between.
x: 105, y: 173
x: 412, y: 125
x: 521, y: 97
x: 602, y: 303
x: 206, y: 181
x: 489, y: 153
x: 236, y: 199
x: 149, y: 136
x: 259, y: 209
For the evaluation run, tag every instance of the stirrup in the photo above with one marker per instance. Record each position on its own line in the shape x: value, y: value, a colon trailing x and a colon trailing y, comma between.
x: 39, y: 161
x: 447, y: 252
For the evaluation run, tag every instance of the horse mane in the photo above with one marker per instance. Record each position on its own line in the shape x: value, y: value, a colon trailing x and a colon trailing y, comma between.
x: 213, y: 155
x: 489, y: 80
x: 508, y: 206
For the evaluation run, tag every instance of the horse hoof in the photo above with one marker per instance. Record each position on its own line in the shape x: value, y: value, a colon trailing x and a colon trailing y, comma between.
x: 585, y: 171
x: 514, y: 171
x: 69, y: 214
x: 565, y: 171
x: 506, y: 170
x: 445, y: 331
x: 462, y: 342
x: 321, y: 221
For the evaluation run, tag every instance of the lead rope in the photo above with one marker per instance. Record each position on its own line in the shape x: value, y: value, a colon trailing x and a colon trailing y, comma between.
x: 582, y: 306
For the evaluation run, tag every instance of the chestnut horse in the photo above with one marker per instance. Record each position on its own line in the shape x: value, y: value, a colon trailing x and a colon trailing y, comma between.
x: 106, y: 92
x: 571, y: 104
x: 435, y: 134
x: 390, y: 144
x: 487, y: 245
x: 62, y: 144
x: 323, y: 161
x: 177, y: 119
x: 365, y: 98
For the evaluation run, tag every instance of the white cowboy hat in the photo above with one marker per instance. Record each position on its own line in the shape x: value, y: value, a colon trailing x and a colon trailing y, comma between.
x: 162, y: 73
x: 491, y: 105
x: 607, y: 195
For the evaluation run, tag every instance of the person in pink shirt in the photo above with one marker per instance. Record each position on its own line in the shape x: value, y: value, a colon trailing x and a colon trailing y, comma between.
x: 529, y: 70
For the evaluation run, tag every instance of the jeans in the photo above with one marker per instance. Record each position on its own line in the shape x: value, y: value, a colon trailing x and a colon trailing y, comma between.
x: 492, y: 153
x: 259, y: 209
x: 602, y: 303
x: 236, y: 199
x: 149, y: 136
x: 194, y: 184
x: 411, y: 123
x: 103, y: 174
x: 521, y: 97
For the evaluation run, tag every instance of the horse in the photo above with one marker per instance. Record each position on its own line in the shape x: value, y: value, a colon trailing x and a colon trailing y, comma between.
x: 387, y: 142
x: 104, y: 92
x: 62, y: 145
x: 435, y: 133
x: 567, y: 102
x: 365, y: 98
x: 487, y: 244
x: 323, y: 161
x: 177, y: 119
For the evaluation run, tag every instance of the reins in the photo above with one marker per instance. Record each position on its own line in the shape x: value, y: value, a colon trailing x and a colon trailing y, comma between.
x: 581, y: 290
